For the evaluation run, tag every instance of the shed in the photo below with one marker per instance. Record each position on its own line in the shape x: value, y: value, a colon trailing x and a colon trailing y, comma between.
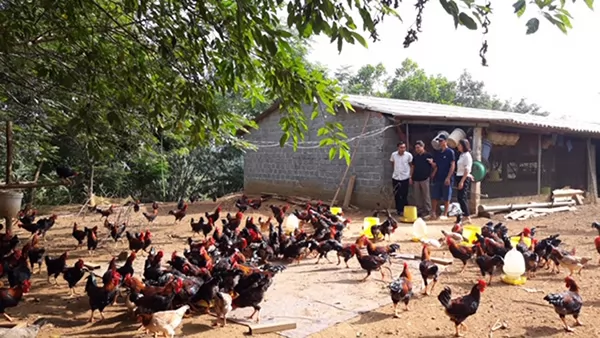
x: 548, y: 153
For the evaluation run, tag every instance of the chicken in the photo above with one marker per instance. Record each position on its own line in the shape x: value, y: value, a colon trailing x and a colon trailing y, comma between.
x: 348, y: 251
x: 459, y: 309
x: 101, y: 296
x: 251, y: 290
x: 12, y: 296
x: 596, y: 225
x: 79, y: 235
x: 73, y: 275
x: 570, y: 261
x: 401, y: 289
x: 377, y: 250
x: 92, y: 239
x: 135, y: 243
x: 487, y: 265
x: 222, y: 306
x: 164, y: 322
x: 324, y: 247
x: 46, y: 224
x: 127, y: 268
x: 454, y: 235
x: 105, y: 212
x: 117, y: 231
x: 214, y: 217
x: 428, y: 269
x: 65, y: 173
x: 200, y: 226
x: 56, y: 266
x: 568, y: 303
x: 179, y: 214
x: 372, y: 263
x: 150, y: 217
x: 35, y: 253
x: 136, y: 206
x: 460, y: 252
x: 158, y: 301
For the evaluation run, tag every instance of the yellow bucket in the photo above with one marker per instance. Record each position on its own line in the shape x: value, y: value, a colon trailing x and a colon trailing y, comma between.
x: 513, y: 281
x: 514, y: 240
x: 335, y: 210
x: 410, y: 214
x: 469, y: 233
x: 368, y: 222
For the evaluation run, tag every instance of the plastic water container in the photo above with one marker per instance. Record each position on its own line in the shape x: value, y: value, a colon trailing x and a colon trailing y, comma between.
x: 410, y: 214
x: 368, y: 222
x: 291, y: 223
x: 514, y: 267
x: 419, y: 229
x: 470, y: 232
x: 455, y: 136
x: 10, y: 203
x: 335, y: 210
x: 514, y: 240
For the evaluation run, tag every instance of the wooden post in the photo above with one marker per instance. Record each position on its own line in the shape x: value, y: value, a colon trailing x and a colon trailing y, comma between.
x: 592, y: 187
x: 36, y: 177
x: 476, y: 153
x: 9, y: 151
x: 539, y: 165
x: 349, y: 191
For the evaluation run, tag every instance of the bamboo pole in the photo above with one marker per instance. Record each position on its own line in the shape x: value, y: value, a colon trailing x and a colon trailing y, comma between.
x: 9, y: 151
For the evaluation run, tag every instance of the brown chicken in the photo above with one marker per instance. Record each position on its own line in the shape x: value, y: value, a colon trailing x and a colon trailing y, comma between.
x: 459, y: 309
x: 137, y: 286
x: 101, y: 296
x: 135, y: 243
x: 348, y: 251
x: 363, y: 241
x: 568, y: 303
x: 428, y: 269
x: 460, y: 252
x: 78, y: 234
x: 106, y: 212
x: 164, y: 322
x: 151, y: 217
x: 401, y: 289
x: 12, y: 296
x: 214, y: 217
x: 179, y: 214
x: 372, y: 263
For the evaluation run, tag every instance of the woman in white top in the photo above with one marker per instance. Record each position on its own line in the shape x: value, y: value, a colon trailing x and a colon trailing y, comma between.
x: 463, y: 176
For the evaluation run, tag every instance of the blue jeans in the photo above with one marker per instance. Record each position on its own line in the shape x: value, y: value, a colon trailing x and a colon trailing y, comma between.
x: 440, y: 191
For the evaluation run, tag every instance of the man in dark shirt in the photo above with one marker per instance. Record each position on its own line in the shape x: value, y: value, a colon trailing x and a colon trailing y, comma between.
x: 420, y: 179
x: 443, y: 175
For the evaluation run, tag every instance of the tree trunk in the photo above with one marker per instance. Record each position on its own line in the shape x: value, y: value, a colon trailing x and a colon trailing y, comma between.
x: 9, y: 151
x: 91, y: 188
x: 35, y: 179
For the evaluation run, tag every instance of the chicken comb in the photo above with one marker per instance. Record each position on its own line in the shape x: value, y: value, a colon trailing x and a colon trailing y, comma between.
x: 405, y: 265
x: 239, y: 215
x: 174, y: 254
x: 526, y: 231
x: 160, y: 253
x: 569, y: 279
x: 481, y: 283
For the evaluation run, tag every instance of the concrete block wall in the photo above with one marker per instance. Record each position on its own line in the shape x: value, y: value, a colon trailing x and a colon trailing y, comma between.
x: 309, y: 172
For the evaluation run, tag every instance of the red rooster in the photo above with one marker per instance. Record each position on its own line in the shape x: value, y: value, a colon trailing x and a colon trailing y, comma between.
x: 372, y: 263
x: 179, y: 214
x: 106, y: 212
x: 150, y: 217
x: 428, y: 269
x: 401, y: 289
x: 214, y: 217
x: 135, y: 243
x: 11, y: 297
x: 459, y: 309
x: 56, y: 266
x: 79, y: 235
x: 462, y: 253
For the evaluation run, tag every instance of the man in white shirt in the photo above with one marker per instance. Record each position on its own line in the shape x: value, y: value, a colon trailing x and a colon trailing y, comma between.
x: 402, y: 165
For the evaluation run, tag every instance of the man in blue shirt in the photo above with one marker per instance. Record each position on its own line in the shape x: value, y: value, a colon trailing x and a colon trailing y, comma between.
x: 444, y: 164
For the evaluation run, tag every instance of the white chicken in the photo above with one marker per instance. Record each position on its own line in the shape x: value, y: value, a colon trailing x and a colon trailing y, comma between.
x: 164, y: 322
x: 222, y: 306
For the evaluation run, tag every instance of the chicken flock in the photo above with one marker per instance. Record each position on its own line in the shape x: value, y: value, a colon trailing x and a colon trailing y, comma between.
x: 232, y: 265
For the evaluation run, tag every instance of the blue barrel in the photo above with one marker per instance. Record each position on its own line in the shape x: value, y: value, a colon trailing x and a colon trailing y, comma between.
x: 486, y: 149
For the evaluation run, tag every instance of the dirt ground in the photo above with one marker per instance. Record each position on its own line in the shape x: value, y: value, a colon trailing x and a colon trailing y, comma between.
x: 525, y: 312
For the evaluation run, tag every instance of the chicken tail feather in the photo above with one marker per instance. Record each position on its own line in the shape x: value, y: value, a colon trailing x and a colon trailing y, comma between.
x: 445, y: 297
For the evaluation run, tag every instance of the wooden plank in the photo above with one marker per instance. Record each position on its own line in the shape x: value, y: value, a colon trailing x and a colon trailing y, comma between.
x: 271, y: 327
x: 563, y: 199
x: 567, y: 192
x: 549, y: 210
x: 578, y: 199
x: 349, y: 191
x: 592, y: 184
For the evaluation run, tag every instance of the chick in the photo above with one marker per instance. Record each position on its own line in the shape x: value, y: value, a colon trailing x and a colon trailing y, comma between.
x: 222, y: 306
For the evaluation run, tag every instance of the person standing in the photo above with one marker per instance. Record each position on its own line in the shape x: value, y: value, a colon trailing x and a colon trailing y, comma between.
x: 420, y: 179
x: 464, y: 165
x: 402, y: 166
x: 443, y: 176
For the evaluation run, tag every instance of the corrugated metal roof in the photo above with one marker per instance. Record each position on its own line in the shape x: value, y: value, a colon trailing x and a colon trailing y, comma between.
x: 433, y: 111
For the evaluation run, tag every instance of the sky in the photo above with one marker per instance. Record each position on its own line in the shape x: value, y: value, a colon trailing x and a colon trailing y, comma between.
x: 558, y: 72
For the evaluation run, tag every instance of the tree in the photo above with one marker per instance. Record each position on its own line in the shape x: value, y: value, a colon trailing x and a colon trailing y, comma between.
x: 368, y: 80
x: 412, y: 83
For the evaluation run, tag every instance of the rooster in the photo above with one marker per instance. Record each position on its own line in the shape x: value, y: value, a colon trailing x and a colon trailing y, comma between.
x: 428, y: 269
x: 150, y: 217
x: 179, y: 214
x: 11, y: 297
x: 117, y: 231
x: 459, y: 309
x: 214, y: 217
x: 460, y: 252
x: 78, y: 234
x: 65, y: 173
x: 401, y: 289
x: 372, y: 263
x: 568, y: 303
x: 105, y: 212
x: 135, y: 243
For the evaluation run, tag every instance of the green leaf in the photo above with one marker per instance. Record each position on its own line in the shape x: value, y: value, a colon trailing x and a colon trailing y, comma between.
x: 360, y: 39
x: 446, y: 6
x: 519, y: 7
x: 284, y: 138
x: 332, y: 152
x: 590, y: 4
x: 532, y: 25
x: 556, y: 22
x: 467, y: 21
